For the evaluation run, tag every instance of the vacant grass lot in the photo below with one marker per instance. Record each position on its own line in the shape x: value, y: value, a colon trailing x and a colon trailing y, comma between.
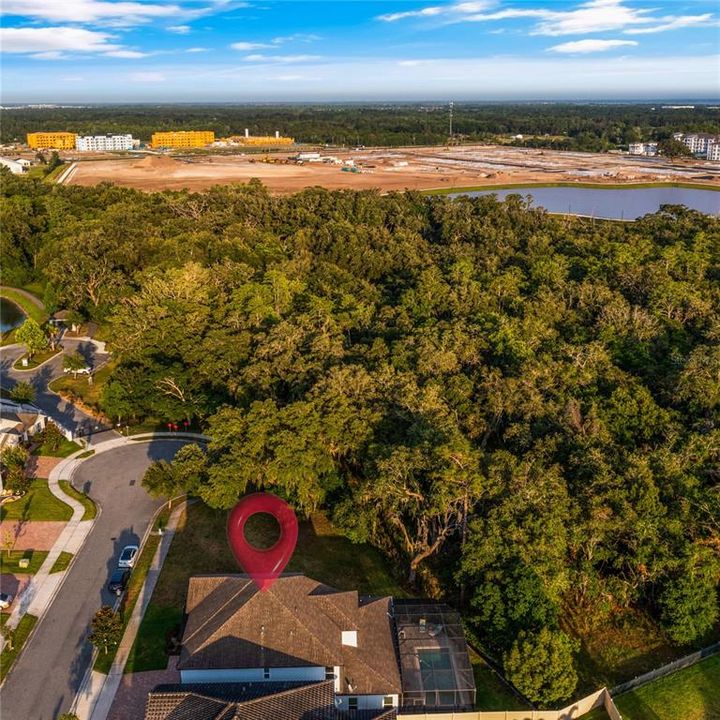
x: 88, y: 504
x: 23, y: 630
x: 690, y: 694
x: 200, y: 547
x: 492, y: 692
x: 10, y: 561
x: 37, y: 504
x: 80, y: 389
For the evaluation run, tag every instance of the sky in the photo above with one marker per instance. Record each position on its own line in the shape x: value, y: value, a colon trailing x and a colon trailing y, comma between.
x: 94, y: 51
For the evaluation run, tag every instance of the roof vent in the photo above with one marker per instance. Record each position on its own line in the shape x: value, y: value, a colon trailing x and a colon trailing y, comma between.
x: 349, y: 637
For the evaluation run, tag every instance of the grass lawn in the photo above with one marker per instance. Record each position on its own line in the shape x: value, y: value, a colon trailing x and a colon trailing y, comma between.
x: 90, y: 508
x: 67, y: 447
x: 689, y: 694
x: 23, y: 630
x: 38, y: 503
x: 29, y: 308
x: 37, y: 359
x: 62, y: 563
x: 200, y: 547
x: 492, y: 693
x: 9, y: 562
x: 80, y: 388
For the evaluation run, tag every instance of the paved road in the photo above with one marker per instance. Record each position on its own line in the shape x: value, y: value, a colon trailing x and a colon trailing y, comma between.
x: 66, y: 414
x: 46, y: 677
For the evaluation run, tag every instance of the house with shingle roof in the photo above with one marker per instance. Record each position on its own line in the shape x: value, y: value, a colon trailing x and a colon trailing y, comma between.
x: 296, y: 630
x: 301, y: 650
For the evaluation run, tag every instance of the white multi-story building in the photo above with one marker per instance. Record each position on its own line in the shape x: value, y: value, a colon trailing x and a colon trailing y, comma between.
x: 102, y: 143
x: 713, y: 151
x: 16, y: 167
x: 642, y: 148
x: 698, y: 143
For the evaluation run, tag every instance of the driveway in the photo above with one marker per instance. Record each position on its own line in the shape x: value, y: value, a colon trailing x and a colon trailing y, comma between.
x: 48, y: 673
x: 66, y: 414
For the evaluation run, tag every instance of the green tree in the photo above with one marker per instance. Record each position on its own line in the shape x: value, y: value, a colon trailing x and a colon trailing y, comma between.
x: 52, y: 437
x: 23, y: 392
x: 189, y: 467
x: 674, y: 148
x: 14, y: 459
x: 540, y: 665
x: 160, y: 480
x: 689, y: 607
x: 74, y: 362
x: 32, y: 336
x: 106, y: 628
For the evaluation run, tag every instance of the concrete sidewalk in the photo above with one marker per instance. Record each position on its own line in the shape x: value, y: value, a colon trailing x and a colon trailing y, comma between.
x: 39, y: 592
x: 96, y: 694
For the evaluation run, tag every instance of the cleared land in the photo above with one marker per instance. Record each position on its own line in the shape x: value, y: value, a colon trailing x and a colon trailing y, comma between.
x: 395, y: 169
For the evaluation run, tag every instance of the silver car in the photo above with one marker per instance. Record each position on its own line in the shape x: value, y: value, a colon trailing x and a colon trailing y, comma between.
x: 127, y: 556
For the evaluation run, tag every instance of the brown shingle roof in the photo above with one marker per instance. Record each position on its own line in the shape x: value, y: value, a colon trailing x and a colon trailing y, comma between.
x: 296, y: 622
x: 251, y: 701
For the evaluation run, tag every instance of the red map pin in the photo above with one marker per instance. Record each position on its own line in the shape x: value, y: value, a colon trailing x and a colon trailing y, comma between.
x: 263, y: 566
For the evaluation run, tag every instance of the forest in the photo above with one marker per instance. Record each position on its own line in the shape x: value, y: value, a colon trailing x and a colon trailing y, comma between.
x: 522, y: 410
x: 561, y: 126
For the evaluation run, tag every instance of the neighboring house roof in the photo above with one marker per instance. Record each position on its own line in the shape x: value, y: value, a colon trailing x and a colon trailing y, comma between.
x: 250, y: 701
x: 297, y: 622
x: 17, y: 417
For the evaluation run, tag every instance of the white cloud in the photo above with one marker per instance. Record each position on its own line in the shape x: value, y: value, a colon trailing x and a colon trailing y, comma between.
x: 590, y: 16
x: 130, y: 54
x: 179, y: 29
x: 55, y: 39
x: 147, y: 77
x: 288, y: 59
x: 58, y: 43
x: 673, y: 24
x: 196, y: 50
x: 250, y: 46
x: 89, y: 11
x: 590, y: 46
x: 458, y: 8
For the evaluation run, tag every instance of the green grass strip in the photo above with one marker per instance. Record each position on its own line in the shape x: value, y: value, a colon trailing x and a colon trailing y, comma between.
x: 88, y: 504
x: 22, y: 632
x: 62, y: 563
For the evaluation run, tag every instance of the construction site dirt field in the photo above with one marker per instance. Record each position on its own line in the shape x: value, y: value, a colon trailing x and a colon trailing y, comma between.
x: 394, y: 169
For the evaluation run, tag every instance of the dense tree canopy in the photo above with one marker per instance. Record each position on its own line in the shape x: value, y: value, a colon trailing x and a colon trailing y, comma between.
x: 530, y: 402
x: 592, y: 126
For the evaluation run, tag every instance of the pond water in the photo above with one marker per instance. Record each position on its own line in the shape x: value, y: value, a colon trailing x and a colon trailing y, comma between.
x: 10, y: 315
x: 613, y: 203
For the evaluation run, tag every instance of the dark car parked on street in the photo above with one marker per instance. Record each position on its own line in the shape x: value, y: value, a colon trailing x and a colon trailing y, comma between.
x: 118, y: 581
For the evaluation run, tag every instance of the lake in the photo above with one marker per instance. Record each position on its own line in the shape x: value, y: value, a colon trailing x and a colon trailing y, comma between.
x: 10, y: 315
x: 613, y: 203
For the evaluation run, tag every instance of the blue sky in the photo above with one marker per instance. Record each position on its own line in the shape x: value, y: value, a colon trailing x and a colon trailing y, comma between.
x: 228, y: 50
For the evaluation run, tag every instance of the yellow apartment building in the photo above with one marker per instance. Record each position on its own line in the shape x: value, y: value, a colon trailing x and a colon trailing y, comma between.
x: 260, y: 140
x: 51, y: 140
x: 183, y: 139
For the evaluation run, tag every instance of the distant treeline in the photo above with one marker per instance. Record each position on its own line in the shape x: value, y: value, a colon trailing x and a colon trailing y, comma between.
x: 561, y: 126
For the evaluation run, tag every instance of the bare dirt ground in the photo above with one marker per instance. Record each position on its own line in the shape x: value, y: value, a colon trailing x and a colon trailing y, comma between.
x: 393, y: 169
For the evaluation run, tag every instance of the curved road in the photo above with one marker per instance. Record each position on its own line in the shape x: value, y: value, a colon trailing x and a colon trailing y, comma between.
x: 48, y: 673
x: 65, y: 414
